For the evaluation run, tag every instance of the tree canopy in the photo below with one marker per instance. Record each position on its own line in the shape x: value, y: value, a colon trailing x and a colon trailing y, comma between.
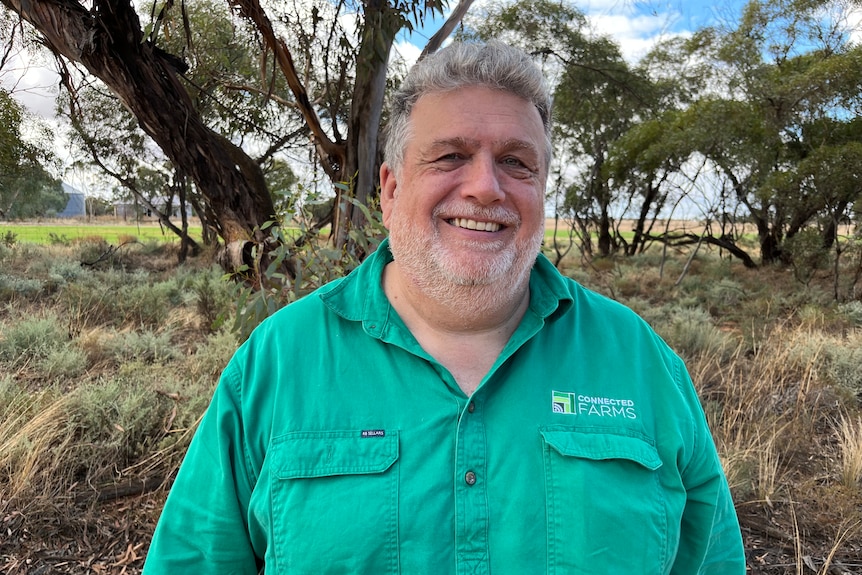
x: 27, y: 188
x: 753, y: 121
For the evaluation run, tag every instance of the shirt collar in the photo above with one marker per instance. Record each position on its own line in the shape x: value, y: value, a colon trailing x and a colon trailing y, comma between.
x: 360, y: 297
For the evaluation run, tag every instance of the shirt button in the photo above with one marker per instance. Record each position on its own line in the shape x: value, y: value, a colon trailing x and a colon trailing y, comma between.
x: 470, y: 478
x: 471, y: 407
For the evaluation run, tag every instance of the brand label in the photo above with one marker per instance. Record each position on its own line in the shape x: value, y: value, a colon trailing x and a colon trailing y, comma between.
x: 571, y: 403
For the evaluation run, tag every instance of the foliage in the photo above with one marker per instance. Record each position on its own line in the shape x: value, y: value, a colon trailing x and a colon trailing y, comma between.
x: 315, y: 265
x: 33, y: 338
x: 27, y: 188
x: 775, y: 363
x: 221, y: 98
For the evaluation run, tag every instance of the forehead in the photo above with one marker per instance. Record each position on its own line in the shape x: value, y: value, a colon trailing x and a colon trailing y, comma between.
x: 477, y: 114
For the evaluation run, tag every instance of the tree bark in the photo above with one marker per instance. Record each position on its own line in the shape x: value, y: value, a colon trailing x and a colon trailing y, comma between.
x: 361, y: 163
x: 108, y: 41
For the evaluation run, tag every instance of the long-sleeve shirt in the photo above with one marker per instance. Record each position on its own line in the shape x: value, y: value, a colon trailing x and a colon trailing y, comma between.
x: 335, y: 444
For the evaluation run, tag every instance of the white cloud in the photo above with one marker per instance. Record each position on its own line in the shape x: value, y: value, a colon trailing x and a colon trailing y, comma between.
x: 635, y: 34
x: 854, y: 24
x: 32, y: 83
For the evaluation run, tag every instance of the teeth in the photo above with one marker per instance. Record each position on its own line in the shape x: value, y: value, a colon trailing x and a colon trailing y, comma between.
x: 474, y: 225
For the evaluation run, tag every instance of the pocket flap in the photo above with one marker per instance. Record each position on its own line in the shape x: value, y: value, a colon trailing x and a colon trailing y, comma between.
x: 308, y: 454
x: 601, y: 444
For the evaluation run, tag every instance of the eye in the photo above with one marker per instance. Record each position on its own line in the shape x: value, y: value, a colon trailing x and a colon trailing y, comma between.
x: 516, y: 167
x: 514, y: 162
x: 450, y: 157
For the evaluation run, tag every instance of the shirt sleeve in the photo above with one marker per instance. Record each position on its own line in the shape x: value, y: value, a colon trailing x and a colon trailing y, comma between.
x: 204, y: 527
x: 710, y: 538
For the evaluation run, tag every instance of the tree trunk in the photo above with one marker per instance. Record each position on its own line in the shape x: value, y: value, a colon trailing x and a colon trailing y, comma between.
x: 361, y: 163
x: 107, y: 40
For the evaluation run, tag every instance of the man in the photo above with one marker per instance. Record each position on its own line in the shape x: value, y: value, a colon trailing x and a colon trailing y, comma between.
x: 454, y: 405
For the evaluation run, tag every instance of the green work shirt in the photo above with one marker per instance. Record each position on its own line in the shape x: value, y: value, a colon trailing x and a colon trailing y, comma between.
x: 335, y: 444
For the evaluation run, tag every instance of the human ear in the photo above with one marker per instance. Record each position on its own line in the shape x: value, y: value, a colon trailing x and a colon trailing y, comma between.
x: 388, y: 185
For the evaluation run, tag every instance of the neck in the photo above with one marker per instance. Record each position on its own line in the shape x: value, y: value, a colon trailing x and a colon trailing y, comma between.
x: 472, y: 310
x: 465, y: 331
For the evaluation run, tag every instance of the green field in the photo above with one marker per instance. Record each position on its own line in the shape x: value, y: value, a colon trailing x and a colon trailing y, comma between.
x: 44, y: 234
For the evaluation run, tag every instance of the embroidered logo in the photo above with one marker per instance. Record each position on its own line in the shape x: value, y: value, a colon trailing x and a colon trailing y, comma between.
x: 578, y: 404
x: 562, y: 402
x: 373, y: 433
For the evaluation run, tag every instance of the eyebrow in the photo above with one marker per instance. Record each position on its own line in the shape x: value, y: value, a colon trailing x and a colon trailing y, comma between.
x: 512, y: 144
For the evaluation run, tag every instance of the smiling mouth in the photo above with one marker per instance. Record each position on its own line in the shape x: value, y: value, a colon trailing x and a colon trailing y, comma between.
x: 468, y: 224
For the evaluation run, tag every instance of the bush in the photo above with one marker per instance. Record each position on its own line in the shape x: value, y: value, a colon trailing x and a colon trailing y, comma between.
x: 844, y: 366
x: 690, y: 331
x: 67, y: 362
x: 852, y: 311
x: 146, y: 305
x: 213, y: 299
x: 210, y: 358
x: 145, y: 346
x: 12, y: 287
x: 117, y: 421
x: 32, y: 338
x: 89, y: 303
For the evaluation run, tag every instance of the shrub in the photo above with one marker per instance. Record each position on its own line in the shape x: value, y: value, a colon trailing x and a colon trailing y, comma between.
x: 146, y: 305
x: 845, y: 364
x: 117, y: 421
x: 210, y: 358
x: 725, y: 293
x: 67, y: 361
x: 213, y: 299
x: 145, y: 346
x: 690, y: 331
x: 9, y: 238
x: 30, y: 338
x: 89, y: 303
x: 852, y: 311
x: 12, y: 287
x: 67, y: 271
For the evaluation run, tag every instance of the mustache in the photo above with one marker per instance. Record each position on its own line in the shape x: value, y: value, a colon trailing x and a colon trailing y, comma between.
x: 473, y: 212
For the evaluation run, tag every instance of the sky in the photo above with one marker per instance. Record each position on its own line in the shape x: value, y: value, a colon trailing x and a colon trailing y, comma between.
x: 635, y: 25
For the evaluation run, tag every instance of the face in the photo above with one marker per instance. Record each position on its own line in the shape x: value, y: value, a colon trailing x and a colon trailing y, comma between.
x: 467, y: 207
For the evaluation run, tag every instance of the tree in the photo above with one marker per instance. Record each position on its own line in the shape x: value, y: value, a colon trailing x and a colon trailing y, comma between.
x: 781, y: 101
x: 597, y: 97
x: 27, y: 189
x: 108, y: 41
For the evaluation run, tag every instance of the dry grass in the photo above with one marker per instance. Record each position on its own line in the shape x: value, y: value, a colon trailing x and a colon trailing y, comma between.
x: 34, y: 433
x: 775, y: 363
x: 849, y: 431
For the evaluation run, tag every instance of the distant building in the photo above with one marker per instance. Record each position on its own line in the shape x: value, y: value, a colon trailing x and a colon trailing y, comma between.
x: 127, y: 210
x: 76, y: 205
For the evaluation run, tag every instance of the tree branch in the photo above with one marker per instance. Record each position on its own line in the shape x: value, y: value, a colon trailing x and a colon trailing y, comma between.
x: 331, y: 152
x: 453, y: 20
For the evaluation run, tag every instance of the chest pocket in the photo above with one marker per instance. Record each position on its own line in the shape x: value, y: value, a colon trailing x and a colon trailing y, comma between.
x: 335, y: 502
x: 606, y: 509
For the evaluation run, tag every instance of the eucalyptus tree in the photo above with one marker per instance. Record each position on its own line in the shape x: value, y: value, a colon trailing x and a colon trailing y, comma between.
x: 779, y: 104
x: 27, y: 187
x: 326, y: 76
x: 598, y: 96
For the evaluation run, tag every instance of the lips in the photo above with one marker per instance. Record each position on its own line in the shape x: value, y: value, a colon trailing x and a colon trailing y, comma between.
x: 469, y: 224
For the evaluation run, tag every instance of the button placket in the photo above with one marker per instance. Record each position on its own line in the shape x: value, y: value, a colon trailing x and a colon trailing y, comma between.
x: 471, y: 505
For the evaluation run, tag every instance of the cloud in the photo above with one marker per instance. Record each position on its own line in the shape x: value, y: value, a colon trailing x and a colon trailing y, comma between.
x: 32, y: 83
x: 635, y: 34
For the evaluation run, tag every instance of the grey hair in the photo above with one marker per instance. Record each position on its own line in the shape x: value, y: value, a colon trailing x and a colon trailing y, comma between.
x: 493, y: 65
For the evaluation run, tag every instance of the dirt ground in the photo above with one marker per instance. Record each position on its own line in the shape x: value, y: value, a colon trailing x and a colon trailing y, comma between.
x: 112, y: 539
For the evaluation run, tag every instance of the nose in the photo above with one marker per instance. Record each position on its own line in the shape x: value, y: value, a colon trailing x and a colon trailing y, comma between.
x: 483, y: 181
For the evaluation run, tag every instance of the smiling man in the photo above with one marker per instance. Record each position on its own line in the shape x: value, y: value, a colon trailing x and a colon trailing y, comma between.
x: 454, y: 405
